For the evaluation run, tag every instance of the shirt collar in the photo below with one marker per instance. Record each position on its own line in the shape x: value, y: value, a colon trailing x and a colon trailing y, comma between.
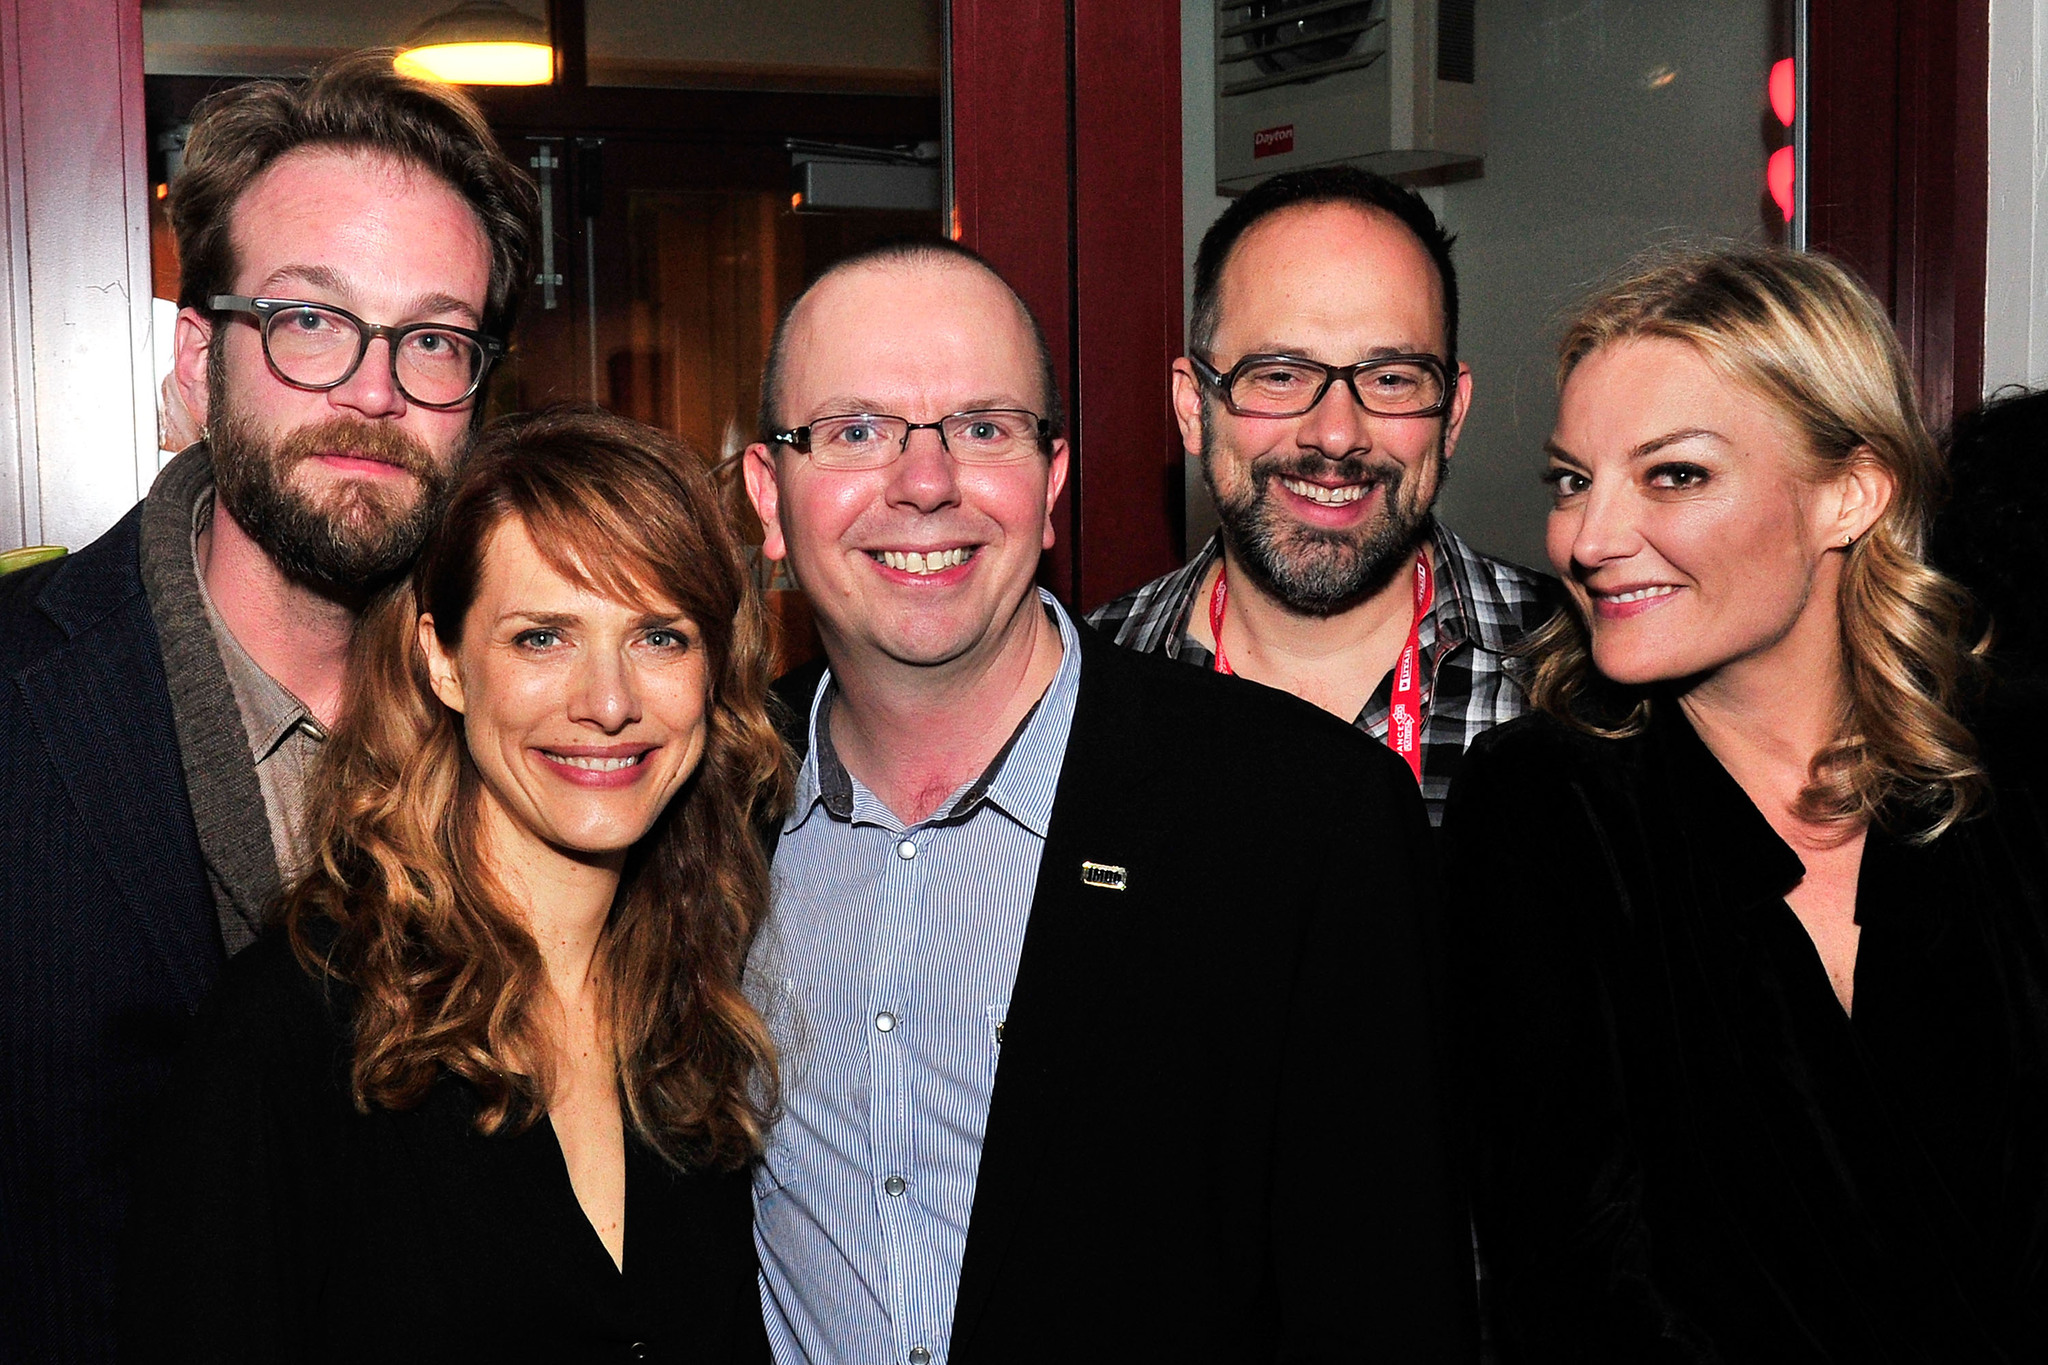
x: 1732, y: 840
x: 1181, y: 591
x: 1472, y: 587
x: 270, y: 713
x: 1019, y: 781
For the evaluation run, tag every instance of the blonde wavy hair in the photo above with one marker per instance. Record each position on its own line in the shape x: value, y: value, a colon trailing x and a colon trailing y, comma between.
x: 399, y: 902
x: 1797, y: 330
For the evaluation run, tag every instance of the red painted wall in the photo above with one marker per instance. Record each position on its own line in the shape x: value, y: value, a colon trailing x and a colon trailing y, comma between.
x: 1896, y: 153
x: 1066, y: 127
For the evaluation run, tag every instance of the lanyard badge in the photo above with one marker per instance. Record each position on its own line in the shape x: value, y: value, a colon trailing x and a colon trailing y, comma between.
x: 1404, y: 717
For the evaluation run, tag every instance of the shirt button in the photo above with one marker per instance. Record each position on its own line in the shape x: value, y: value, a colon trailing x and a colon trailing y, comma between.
x: 906, y: 850
x: 885, y: 1021
x: 920, y: 1356
x: 894, y: 1186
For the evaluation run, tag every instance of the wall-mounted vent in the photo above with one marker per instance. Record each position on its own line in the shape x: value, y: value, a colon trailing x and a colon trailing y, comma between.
x: 1263, y: 44
x: 1455, y: 41
x: 1384, y: 84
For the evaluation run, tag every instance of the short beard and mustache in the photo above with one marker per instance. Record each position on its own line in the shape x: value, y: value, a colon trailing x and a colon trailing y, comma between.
x: 346, y: 541
x: 1309, y: 570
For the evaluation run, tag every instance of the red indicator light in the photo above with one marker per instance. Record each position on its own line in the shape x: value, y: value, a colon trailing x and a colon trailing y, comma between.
x: 1784, y: 91
x: 1779, y: 177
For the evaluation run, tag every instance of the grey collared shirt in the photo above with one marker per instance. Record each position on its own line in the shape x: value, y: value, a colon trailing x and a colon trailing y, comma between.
x: 284, y: 737
x: 884, y: 971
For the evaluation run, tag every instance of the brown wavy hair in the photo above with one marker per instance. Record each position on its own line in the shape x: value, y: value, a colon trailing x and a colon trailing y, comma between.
x: 399, y: 902
x: 1800, y: 332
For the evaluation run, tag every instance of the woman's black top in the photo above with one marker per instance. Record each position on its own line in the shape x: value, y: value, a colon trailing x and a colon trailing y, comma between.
x: 272, y: 1221
x: 1686, y: 1150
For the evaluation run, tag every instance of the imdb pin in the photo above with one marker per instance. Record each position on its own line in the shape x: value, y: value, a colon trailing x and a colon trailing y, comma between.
x: 1105, y: 876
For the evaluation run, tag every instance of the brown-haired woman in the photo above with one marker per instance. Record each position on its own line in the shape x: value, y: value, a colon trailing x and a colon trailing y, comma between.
x: 490, y: 1089
x: 1754, y: 924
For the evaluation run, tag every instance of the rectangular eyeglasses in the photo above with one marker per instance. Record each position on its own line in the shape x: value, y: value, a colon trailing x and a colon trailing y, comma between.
x: 870, y: 440
x: 1289, y: 386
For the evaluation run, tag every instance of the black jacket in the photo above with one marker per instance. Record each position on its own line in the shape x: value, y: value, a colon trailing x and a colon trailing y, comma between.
x: 1217, y: 1131
x: 1687, y: 1150
x: 272, y: 1221
x: 108, y: 934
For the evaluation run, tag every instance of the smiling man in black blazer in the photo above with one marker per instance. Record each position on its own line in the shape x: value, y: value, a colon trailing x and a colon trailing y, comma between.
x: 1102, y: 985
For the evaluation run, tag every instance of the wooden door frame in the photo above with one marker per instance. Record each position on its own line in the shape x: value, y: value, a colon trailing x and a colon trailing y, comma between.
x: 77, y: 383
x: 1065, y: 138
x: 1898, y: 150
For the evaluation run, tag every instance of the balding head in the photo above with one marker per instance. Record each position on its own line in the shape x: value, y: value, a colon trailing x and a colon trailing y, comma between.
x: 905, y: 258
x: 925, y: 557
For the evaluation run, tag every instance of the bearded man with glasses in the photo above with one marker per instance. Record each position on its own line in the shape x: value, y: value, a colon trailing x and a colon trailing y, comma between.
x: 1086, y: 1048
x: 1322, y: 391
x: 353, y: 249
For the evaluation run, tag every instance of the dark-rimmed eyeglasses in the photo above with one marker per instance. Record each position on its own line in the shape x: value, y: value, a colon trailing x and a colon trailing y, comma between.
x: 870, y: 440
x: 318, y: 346
x: 1289, y: 386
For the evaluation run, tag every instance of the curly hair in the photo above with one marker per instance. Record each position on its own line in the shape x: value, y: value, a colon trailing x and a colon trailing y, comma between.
x: 399, y: 902
x: 1797, y: 330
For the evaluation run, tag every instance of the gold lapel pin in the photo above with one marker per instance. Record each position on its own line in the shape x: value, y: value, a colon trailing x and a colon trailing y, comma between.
x: 1108, y: 877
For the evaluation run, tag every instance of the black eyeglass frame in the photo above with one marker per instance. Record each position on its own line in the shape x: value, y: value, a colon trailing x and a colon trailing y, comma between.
x: 799, y: 438
x: 266, y: 311
x: 1223, y: 382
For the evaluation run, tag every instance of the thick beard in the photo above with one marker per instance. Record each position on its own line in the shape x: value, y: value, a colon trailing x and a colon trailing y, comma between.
x: 1308, y: 570
x: 348, y: 541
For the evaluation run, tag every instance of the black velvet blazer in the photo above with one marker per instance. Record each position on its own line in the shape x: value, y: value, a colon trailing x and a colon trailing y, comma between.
x: 1686, y: 1151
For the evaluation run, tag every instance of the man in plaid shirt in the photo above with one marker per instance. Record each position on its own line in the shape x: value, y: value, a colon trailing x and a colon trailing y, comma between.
x: 1322, y: 391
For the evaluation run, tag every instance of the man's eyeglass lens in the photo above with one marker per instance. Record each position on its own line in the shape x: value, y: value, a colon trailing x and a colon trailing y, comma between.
x: 867, y: 440
x: 320, y: 348
x: 1289, y: 388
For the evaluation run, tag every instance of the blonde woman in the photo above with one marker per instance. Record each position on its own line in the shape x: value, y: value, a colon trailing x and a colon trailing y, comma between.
x: 1753, y: 916
x: 490, y: 1089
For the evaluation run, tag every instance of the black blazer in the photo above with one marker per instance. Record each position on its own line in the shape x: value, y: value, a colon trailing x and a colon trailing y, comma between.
x: 1686, y: 1150
x: 108, y: 934
x: 1217, y: 1131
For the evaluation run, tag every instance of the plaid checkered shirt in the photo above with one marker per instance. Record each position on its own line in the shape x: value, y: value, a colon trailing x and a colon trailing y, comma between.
x: 1483, y: 608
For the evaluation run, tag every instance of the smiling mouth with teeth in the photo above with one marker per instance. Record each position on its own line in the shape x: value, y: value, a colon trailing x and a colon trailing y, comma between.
x: 1329, y: 497
x: 1640, y: 594
x: 598, y: 765
x: 916, y: 562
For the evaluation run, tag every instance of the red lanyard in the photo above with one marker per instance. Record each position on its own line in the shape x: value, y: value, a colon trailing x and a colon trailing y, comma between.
x: 1404, y: 718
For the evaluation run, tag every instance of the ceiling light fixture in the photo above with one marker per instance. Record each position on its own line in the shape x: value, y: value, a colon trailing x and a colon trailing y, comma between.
x: 480, y: 42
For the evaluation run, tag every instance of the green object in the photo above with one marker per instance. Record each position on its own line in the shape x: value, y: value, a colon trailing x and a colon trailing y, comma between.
x: 10, y: 560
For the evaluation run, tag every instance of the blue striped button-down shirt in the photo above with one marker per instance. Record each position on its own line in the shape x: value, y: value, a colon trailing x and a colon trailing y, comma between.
x: 884, y: 972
